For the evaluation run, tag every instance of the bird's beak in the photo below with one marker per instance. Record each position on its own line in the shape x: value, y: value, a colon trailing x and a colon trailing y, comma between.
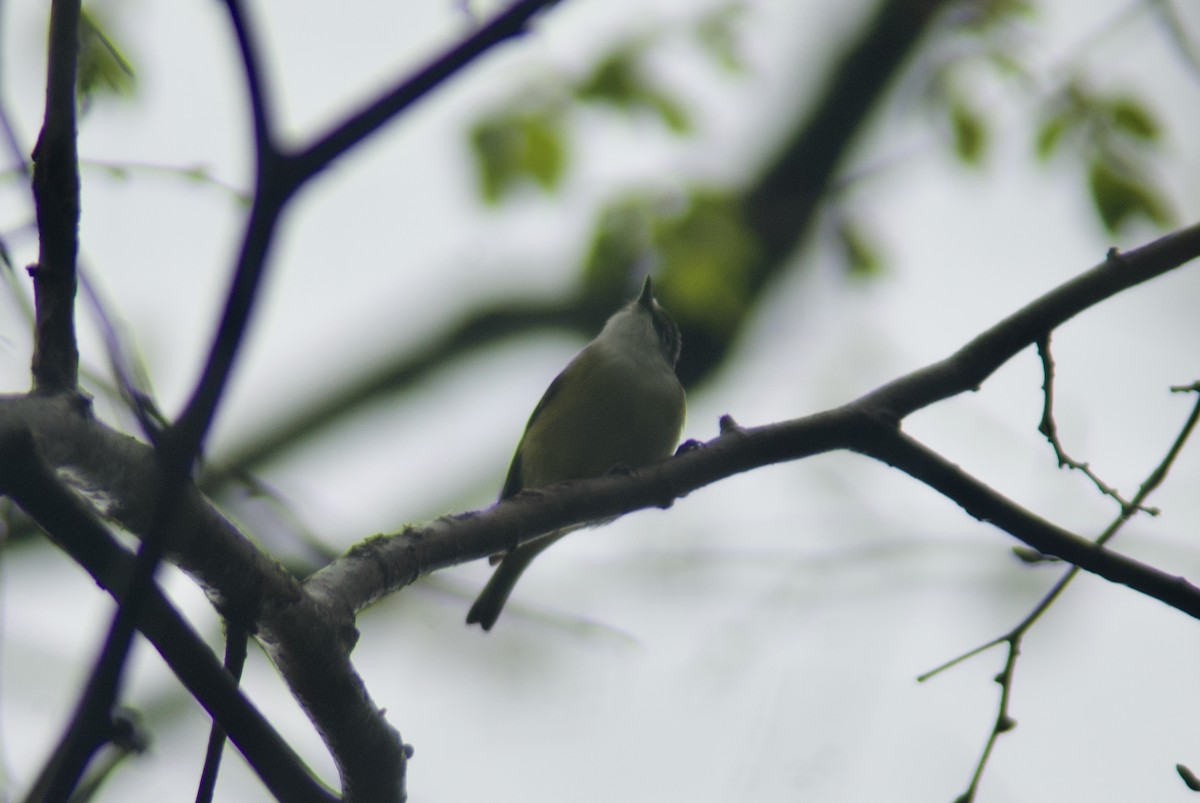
x: 647, y: 296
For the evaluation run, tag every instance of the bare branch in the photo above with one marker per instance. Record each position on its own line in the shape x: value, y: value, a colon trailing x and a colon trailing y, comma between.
x: 968, y: 367
x: 1049, y: 428
x: 310, y: 643
x: 358, y: 126
x: 56, y: 197
x: 236, y: 642
x: 26, y: 478
x: 260, y: 108
x: 1015, y: 637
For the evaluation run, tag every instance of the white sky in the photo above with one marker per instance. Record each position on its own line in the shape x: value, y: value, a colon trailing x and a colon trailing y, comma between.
x: 759, y: 641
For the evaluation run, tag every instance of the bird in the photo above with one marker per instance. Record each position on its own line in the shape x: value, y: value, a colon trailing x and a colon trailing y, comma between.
x: 617, y: 405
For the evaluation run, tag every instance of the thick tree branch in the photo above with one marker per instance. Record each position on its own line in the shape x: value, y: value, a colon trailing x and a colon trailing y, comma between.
x: 56, y: 198
x: 25, y: 478
x: 309, y: 643
x: 781, y: 206
x: 968, y: 367
x: 386, y: 563
x: 985, y: 504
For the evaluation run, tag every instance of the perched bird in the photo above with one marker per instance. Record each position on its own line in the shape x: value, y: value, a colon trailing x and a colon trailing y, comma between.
x: 617, y: 404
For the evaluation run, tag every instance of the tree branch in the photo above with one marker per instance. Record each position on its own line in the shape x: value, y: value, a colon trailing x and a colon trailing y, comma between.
x: 1049, y: 428
x: 783, y: 203
x: 968, y: 367
x: 506, y: 25
x: 26, y: 479
x: 1015, y: 637
x: 56, y: 198
x: 869, y: 425
x: 985, y: 504
x: 309, y: 642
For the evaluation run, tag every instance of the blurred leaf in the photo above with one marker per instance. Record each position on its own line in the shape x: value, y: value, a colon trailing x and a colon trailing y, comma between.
x: 671, y: 112
x: 707, y: 255
x: 620, y: 82
x: 1129, y: 115
x: 862, y: 257
x: 615, y: 80
x: 970, y: 133
x: 1007, y: 64
x: 700, y: 248
x: 1051, y: 132
x: 103, y: 69
x: 621, y: 248
x: 987, y: 14
x: 717, y: 34
x: 515, y: 147
x: 1120, y: 198
x: 544, y: 151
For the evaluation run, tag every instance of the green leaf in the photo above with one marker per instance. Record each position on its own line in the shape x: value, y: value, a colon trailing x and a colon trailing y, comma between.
x: 862, y: 257
x: 620, y: 82
x: 615, y: 80
x: 1050, y: 134
x: 671, y: 113
x: 985, y: 16
x: 1130, y: 116
x: 1121, y: 198
x: 620, y: 247
x: 545, y: 154
x: 717, y: 34
x: 102, y: 68
x: 970, y: 133
x: 492, y: 145
x: 514, y: 148
x: 707, y: 255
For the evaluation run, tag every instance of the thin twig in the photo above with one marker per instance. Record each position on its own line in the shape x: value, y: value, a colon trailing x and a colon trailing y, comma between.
x: 1015, y: 637
x: 236, y: 639
x: 132, y: 384
x: 1049, y: 429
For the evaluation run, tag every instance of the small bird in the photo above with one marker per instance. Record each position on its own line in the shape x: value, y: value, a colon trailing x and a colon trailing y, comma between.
x: 617, y: 404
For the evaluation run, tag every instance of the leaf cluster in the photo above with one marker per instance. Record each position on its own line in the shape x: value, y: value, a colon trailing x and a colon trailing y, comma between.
x: 526, y: 140
x: 1115, y: 136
